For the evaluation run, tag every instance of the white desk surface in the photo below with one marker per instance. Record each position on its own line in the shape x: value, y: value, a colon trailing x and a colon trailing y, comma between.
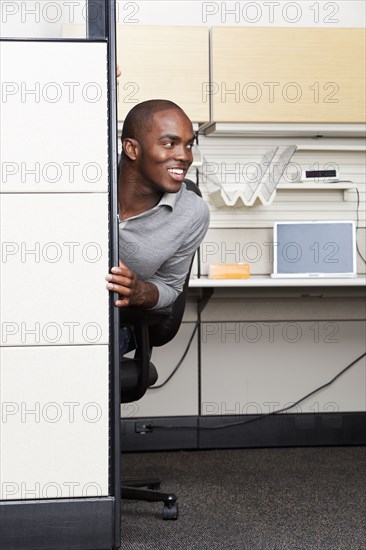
x: 258, y: 281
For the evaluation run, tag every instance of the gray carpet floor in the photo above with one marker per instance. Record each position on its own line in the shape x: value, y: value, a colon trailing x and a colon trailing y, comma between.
x: 251, y: 499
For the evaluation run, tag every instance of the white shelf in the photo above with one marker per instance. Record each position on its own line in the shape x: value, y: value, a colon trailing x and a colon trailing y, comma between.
x: 330, y: 147
x: 345, y: 187
x: 316, y: 186
x: 282, y: 130
x: 256, y: 281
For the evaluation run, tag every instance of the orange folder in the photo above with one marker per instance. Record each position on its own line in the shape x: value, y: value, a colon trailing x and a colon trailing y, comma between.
x: 229, y: 271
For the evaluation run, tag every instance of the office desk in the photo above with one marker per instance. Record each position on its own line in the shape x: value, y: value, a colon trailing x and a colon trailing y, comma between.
x: 261, y: 343
x: 316, y: 287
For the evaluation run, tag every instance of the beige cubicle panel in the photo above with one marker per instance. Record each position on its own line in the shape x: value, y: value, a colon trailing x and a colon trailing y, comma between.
x: 54, y: 422
x: 55, y: 118
x: 54, y: 255
x: 297, y: 75
x: 166, y: 63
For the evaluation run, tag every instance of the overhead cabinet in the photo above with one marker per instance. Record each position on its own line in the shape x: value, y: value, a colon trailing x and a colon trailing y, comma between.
x: 164, y: 63
x: 297, y: 75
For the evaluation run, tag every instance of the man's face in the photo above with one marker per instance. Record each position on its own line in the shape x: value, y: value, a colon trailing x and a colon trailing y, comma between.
x: 166, y: 151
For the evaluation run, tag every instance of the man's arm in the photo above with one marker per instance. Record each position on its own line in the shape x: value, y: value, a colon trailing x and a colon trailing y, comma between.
x: 162, y: 288
x: 133, y: 292
x: 171, y: 275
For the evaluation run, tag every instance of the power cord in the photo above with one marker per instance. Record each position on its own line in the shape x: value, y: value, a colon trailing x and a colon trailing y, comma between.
x: 357, y: 224
x: 179, y: 362
x: 259, y: 417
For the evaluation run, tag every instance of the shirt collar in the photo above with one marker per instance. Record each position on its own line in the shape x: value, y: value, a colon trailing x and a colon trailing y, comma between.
x: 168, y: 199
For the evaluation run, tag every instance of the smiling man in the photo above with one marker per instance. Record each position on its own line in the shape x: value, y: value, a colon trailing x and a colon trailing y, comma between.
x: 161, y: 222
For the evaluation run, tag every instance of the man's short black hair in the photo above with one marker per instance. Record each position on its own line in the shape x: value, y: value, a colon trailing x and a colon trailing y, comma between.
x: 139, y: 119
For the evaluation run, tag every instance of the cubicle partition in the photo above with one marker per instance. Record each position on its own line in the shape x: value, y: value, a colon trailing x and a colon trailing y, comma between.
x: 59, y: 377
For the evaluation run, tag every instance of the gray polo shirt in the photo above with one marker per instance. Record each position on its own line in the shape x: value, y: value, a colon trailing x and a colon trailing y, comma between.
x: 158, y: 244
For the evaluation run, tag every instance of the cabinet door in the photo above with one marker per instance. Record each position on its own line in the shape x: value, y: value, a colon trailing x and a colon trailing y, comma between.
x: 288, y: 75
x: 54, y: 422
x: 164, y: 63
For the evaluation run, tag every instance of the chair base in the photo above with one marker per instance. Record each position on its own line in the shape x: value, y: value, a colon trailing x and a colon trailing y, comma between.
x: 134, y: 489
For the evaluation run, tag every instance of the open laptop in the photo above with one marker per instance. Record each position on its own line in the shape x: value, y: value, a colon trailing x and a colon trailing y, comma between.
x: 314, y: 249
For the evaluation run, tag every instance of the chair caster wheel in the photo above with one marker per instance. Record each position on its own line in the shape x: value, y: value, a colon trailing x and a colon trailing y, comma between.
x: 170, y: 512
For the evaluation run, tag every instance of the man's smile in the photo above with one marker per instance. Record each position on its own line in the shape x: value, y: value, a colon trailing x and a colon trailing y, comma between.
x: 178, y: 174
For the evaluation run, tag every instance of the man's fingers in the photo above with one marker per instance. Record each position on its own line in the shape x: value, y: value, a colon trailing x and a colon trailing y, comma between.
x: 119, y: 272
x: 120, y: 289
x: 122, y: 303
x: 122, y: 270
x: 119, y: 280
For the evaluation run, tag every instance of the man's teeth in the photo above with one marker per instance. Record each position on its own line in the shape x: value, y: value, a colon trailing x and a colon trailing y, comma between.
x: 175, y: 171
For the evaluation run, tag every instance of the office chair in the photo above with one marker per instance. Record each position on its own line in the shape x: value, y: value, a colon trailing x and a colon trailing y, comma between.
x: 152, y: 328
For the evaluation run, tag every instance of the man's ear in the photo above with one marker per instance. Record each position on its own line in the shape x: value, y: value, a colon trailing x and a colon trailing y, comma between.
x: 130, y: 148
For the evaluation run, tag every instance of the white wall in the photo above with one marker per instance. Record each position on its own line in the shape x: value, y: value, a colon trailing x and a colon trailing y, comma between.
x: 45, y: 18
x: 244, y: 13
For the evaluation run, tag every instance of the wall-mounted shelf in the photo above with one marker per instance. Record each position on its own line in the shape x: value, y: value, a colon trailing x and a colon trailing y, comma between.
x: 331, y: 147
x: 235, y: 199
x: 241, y: 129
x: 346, y: 187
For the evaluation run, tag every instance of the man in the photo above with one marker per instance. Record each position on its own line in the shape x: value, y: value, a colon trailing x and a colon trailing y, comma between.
x: 161, y: 222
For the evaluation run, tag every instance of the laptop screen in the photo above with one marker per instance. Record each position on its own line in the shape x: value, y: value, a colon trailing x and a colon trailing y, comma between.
x: 314, y: 249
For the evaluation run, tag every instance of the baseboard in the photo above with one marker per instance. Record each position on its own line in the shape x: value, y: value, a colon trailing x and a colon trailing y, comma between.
x: 213, y: 432
x: 78, y: 524
x: 171, y: 436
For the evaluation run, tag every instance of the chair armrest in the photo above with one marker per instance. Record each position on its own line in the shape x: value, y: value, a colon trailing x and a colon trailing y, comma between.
x: 139, y: 373
x: 138, y: 316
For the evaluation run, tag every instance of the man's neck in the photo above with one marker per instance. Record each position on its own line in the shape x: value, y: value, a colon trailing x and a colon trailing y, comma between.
x: 135, y: 197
